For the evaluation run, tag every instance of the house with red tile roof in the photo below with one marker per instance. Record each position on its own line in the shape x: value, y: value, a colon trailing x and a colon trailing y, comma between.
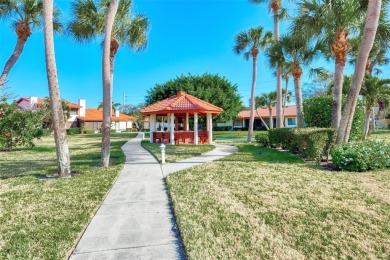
x: 80, y: 115
x: 242, y: 121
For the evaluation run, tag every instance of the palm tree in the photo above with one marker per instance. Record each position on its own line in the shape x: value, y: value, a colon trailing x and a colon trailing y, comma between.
x: 62, y: 149
x: 269, y: 101
x: 300, y: 52
x: 89, y: 22
x: 107, y: 81
x: 374, y: 90
x: 249, y: 43
x: 47, y: 113
x: 278, y: 12
x: 371, y: 25
x: 332, y: 20
x: 115, y: 106
x: 25, y: 15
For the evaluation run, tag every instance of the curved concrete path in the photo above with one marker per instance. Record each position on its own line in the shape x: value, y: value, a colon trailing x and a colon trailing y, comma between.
x: 135, y: 220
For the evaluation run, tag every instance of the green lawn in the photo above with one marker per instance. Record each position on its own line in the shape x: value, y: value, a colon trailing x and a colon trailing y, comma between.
x: 383, y: 134
x: 175, y: 153
x: 262, y: 203
x: 42, y: 219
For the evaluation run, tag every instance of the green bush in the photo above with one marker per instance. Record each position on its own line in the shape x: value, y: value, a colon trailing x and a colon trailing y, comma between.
x: 361, y: 156
x: 313, y: 143
x: 318, y: 113
x: 263, y: 139
x: 88, y: 132
x: 46, y: 132
x: 222, y: 128
x: 73, y: 131
x: 131, y: 130
x: 280, y: 137
x: 113, y: 131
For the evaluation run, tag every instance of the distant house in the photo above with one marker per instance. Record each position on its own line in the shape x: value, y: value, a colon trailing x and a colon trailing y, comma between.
x: 242, y: 121
x: 90, y: 118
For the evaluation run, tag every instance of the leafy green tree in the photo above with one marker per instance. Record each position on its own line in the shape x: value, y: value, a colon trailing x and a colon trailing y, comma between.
x: 249, y: 43
x: 211, y: 88
x: 374, y: 90
x: 318, y: 113
x: 25, y: 16
x: 135, y: 111
x: 46, y: 112
x: 18, y: 127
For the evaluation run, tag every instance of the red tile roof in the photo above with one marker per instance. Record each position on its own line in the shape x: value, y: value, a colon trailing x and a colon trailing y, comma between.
x: 290, y: 111
x: 96, y: 115
x: 181, y: 103
x: 41, y: 100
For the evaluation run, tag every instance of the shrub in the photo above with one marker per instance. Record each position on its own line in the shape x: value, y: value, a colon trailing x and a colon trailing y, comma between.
x: 113, y: 131
x: 361, y: 156
x: 318, y: 113
x: 73, y: 131
x: 313, y: 143
x: 263, y: 139
x: 88, y: 132
x: 46, y: 132
x: 280, y: 137
x: 18, y: 127
x: 131, y: 130
x: 222, y: 128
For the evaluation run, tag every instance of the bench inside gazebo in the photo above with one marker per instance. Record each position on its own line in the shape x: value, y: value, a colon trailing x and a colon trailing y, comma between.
x: 177, y: 111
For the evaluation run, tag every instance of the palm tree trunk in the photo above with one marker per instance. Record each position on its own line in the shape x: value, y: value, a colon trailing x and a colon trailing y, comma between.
x: 337, y: 93
x: 271, y: 120
x: 372, y: 19
x: 262, y: 120
x: 298, y: 98
x: 255, y: 51
x: 275, y: 5
x: 62, y: 149
x: 373, y: 121
x: 12, y: 60
x: 107, y: 80
x: 284, y: 100
x: 366, y: 126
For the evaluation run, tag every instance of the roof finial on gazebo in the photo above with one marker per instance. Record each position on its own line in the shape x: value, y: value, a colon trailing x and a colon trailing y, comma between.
x: 181, y: 93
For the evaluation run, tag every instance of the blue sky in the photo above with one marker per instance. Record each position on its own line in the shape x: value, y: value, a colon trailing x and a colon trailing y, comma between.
x: 186, y: 36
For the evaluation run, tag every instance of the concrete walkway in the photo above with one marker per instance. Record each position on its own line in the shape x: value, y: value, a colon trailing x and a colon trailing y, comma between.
x: 135, y: 220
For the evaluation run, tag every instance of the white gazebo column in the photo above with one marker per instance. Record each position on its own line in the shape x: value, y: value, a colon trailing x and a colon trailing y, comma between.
x: 169, y: 122
x: 210, y: 127
x: 195, y: 128
x: 152, y: 121
x: 172, y: 128
x: 187, y: 126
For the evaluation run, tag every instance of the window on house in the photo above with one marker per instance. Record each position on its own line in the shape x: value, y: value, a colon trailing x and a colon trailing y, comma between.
x: 73, y: 112
x: 291, y: 121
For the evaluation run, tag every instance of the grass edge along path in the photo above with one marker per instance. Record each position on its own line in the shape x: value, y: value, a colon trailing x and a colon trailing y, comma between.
x: 264, y: 203
x: 174, y: 153
x: 42, y: 219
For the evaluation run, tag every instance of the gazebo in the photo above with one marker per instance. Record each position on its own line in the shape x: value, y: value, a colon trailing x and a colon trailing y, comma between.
x: 179, y: 108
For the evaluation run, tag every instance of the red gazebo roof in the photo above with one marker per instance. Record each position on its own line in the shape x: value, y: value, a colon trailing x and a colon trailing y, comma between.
x: 181, y: 103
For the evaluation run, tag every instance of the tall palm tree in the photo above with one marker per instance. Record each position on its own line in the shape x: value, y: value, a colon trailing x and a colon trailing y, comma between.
x: 374, y: 90
x: 333, y: 21
x: 248, y: 43
x: 269, y: 101
x: 107, y: 81
x: 62, y: 149
x: 369, y: 32
x: 278, y: 12
x: 88, y: 22
x: 300, y: 51
x: 25, y: 16
x: 114, y: 106
x: 47, y: 113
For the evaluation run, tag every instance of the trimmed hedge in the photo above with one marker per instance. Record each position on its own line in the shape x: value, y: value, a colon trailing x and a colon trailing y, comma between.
x: 313, y: 143
x: 73, y: 131
x: 263, y: 139
x: 222, y: 128
x: 131, y: 130
x: 361, y: 156
x: 88, y: 132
